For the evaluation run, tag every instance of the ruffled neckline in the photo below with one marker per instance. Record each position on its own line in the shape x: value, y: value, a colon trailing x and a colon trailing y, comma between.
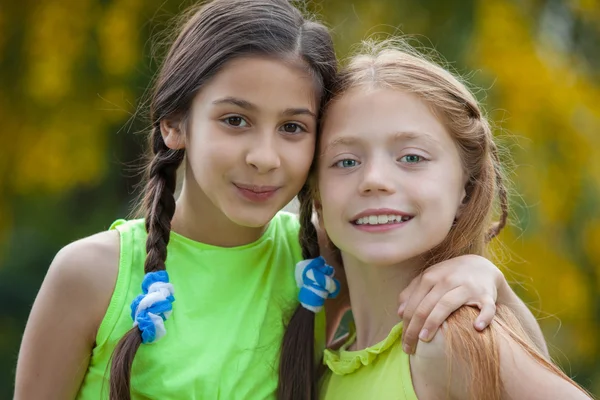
x: 343, y: 361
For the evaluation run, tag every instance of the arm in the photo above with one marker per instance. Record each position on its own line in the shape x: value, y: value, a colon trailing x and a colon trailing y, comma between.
x: 443, y: 288
x: 509, y: 298
x: 524, y: 377
x: 61, y: 330
x: 461, y: 363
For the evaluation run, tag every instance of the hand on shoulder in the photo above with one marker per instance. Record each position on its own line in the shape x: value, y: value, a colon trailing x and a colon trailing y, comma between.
x: 461, y: 363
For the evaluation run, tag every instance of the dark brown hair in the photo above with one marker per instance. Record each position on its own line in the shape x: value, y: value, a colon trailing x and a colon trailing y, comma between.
x: 396, y: 65
x: 215, y: 33
x: 297, y: 367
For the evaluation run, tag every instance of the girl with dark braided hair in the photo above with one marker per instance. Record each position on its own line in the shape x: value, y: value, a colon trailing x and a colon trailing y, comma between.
x: 191, y: 301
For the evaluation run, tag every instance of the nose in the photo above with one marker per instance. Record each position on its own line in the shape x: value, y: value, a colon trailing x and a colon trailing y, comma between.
x: 263, y: 154
x: 377, y: 178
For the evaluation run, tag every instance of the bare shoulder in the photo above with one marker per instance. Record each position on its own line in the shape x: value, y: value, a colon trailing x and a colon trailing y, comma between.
x: 447, y: 364
x: 528, y: 375
x: 99, y: 252
x: 430, y: 368
x: 87, y: 269
x: 65, y: 317
x: 91, y: 259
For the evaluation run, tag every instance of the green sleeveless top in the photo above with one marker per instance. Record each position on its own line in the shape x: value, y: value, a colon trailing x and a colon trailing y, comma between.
x: 225, y: 331
x: 381, y: 371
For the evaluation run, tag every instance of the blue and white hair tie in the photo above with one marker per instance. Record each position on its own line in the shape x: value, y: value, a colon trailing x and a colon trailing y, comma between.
x: 316, y: 282
x: 150, y: 310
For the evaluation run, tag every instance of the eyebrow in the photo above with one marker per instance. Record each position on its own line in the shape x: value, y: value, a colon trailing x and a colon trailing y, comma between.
x: 396, y: 137
x: 343, y: 141
x: 409, y: 135
x: 288, y: 112
x: 236, y: 102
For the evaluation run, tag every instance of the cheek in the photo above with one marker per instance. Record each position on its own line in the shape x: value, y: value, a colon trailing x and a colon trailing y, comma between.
x: 440, y: 198
x: 332, y: 198
x: 210, y: 153
x: 296, y: 159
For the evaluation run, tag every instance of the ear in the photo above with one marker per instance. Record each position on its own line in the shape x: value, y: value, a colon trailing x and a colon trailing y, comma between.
x: 172, y: 133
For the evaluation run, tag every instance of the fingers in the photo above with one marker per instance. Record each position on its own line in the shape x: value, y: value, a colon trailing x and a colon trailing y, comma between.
x: 448, y: 303
x: 432, y: 296
x: 436, y: 307
x: 439, y: 300
x: 420, y: 287
x: 488, y: 311
x: 406, y: 294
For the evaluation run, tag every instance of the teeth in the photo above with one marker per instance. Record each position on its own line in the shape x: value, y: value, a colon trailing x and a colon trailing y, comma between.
x: 381, y: 219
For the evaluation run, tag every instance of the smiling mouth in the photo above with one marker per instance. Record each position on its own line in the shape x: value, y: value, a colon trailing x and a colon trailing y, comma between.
x: 385, y: 219
x: 257, y: 194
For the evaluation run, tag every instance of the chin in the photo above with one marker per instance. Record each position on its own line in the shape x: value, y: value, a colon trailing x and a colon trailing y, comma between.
x: 253, y: 218
x: 380, y: 256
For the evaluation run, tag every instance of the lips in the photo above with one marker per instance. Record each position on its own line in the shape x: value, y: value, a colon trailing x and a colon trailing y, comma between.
x: 256, y: 193
x: 257, y: 188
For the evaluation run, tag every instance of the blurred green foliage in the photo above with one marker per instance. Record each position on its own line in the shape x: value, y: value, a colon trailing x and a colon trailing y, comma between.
x: 73, y: 79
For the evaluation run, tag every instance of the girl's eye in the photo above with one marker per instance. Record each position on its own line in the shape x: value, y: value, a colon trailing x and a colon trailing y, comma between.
x: 347, y: 163
x: 236, y: 121
x: 411, y: 159
x: 292, y: 127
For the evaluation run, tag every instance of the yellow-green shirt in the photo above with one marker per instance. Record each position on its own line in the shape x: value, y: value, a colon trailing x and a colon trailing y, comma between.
x: 225, y: 331
x: 379, y: 372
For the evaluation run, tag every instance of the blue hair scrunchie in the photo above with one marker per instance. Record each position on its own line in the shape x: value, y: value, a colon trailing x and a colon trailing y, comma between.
x: 150, y: 310
x: 316, y: 282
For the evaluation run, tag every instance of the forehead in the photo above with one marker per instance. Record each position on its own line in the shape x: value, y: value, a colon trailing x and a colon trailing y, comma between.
x: 372, y: 113
x: 266, y: 82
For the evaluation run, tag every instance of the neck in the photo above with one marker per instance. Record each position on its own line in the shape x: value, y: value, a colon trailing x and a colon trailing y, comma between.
x: 374, y: 294
x: 197, y: 218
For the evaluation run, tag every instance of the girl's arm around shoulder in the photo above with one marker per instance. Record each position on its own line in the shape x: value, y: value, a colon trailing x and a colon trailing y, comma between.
x: 441, y: 371
x: 61, y: 330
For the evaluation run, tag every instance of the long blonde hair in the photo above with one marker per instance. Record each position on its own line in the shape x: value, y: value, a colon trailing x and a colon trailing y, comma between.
x: 396, y: 65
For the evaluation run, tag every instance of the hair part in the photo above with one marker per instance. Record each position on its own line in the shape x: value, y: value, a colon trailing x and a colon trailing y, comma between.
x: 214, y: 34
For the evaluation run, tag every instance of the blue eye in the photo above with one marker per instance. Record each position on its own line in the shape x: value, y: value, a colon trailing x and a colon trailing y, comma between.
x: 347, y: 163
x: 411, y: 159
x: 235, y: 121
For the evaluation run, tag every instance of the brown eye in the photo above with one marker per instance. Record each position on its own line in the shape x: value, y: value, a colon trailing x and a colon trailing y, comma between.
x: 292, y: 128
x: 235, y: 121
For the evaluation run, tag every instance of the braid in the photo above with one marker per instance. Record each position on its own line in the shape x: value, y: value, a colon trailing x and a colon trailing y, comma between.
x: 297, y: 368
x: 308, y: 233
x: 159, y: 202
x: 502, y: 194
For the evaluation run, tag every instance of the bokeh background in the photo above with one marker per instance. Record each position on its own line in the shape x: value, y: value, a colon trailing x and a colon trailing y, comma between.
x: 73, y: 78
